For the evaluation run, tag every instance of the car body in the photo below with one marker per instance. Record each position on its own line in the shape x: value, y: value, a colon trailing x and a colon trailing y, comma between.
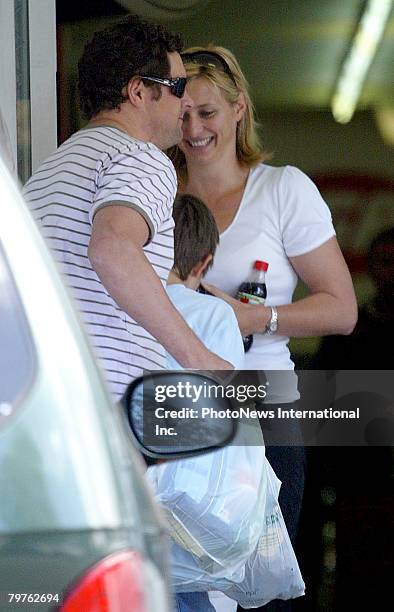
x: 78, y: 528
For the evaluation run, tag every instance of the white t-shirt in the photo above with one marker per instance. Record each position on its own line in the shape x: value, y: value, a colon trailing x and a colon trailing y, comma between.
x: 212, y: 320
x: 281, y: 215
x: 94, y: 168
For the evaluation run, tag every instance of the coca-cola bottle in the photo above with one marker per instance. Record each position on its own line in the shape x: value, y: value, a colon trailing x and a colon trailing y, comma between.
x: 201, y: 289
x: 253, y: 291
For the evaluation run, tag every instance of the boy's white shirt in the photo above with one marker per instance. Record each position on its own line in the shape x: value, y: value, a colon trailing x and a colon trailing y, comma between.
x: 212, y: 320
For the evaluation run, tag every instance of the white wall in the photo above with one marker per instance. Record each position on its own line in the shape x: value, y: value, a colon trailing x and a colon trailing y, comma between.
x: 42, y: 22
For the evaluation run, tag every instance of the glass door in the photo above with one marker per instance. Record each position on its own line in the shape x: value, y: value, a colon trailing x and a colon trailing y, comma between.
x: 28, y: 78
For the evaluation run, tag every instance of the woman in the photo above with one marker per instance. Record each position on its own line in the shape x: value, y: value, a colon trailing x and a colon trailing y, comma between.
x: 263, y: 213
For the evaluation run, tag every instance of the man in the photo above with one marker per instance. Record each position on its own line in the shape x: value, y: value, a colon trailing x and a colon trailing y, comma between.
x: 104, y: 201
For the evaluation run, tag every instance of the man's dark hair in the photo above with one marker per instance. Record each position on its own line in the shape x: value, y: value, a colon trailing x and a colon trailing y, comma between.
x: 114, y: 55
x: 195, y: 236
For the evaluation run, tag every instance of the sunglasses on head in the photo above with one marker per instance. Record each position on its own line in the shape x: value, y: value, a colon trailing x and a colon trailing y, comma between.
x: 177, y: 86
x: 209, y: 59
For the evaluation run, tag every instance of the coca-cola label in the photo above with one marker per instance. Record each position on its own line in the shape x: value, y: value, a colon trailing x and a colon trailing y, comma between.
x: 249, y: 298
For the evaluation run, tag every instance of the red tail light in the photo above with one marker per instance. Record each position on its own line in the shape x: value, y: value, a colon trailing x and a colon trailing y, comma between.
x: 115, y: 584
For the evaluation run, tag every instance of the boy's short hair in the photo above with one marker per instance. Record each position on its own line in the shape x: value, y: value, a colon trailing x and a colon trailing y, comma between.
x: 195, y: 235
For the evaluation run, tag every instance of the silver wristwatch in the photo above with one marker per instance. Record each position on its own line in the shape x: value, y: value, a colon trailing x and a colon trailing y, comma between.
x: 272, y: 324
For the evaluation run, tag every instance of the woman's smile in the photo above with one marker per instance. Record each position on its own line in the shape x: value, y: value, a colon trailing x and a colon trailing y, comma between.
x: 202, y: 142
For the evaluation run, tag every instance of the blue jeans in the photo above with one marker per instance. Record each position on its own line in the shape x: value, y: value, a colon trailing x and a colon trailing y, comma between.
x: 193, y: 602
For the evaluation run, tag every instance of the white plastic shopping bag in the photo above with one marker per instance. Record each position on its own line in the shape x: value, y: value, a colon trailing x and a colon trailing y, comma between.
x: 214, y: 505
x: 272, y: 571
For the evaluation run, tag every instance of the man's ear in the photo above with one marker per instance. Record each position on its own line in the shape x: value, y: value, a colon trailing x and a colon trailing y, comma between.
x: 240, y: 107
x: 201, y: 267
x: 135, y: 91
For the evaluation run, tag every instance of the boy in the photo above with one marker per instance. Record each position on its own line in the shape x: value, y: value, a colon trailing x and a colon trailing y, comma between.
x: 195, y: 240
x: 213, y: 321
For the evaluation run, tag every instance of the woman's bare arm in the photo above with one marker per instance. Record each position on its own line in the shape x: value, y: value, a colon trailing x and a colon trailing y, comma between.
x: 331, y: 307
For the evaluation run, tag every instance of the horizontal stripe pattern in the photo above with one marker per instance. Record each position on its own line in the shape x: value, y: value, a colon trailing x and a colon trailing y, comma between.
x: 94, y: 167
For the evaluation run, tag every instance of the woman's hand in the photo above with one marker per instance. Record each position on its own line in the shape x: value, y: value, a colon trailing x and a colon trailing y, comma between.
x: 252, y: 318
x: 331, y: 307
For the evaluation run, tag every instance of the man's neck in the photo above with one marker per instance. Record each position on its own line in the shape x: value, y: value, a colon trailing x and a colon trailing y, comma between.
x: 118, y: 119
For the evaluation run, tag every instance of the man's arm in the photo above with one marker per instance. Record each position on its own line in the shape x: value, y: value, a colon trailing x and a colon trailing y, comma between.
x: 116, y: 254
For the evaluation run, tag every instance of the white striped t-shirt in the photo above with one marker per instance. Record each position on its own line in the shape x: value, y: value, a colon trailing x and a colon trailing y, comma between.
x: 93, y: 168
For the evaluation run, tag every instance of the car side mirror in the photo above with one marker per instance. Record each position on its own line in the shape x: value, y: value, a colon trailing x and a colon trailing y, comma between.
x: 174, y: 415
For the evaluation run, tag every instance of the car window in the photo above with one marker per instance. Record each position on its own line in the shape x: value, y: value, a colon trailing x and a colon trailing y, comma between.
x: 17, y: 356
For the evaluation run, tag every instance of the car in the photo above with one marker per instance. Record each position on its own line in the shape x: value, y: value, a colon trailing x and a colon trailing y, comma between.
x: 79, y: 529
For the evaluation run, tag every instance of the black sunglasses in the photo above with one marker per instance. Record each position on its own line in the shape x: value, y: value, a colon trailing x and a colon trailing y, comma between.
x: 209, y: 59
x: 177, y: 86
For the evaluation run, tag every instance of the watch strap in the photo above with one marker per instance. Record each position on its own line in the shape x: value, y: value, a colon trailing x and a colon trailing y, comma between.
x: 272, y: 324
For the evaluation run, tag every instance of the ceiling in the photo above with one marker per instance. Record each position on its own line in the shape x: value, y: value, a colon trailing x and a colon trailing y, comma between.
x: 290, y: 50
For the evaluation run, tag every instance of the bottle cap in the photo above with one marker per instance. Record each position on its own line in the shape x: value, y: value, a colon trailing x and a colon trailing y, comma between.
x: 261, y: 265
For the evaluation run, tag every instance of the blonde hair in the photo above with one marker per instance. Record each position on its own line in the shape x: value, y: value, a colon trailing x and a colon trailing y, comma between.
x: 249, y: 150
